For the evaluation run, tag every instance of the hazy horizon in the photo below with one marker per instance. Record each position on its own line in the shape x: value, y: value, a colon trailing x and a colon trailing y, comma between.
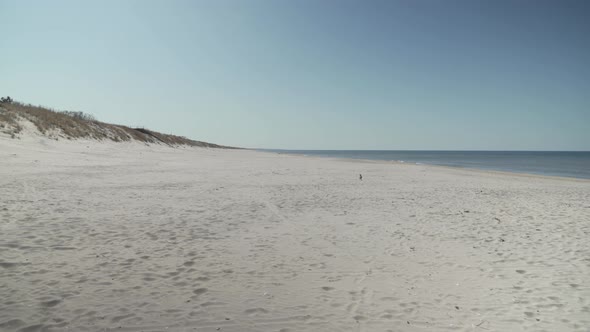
x: 420, y: 150
x: 313, y: 75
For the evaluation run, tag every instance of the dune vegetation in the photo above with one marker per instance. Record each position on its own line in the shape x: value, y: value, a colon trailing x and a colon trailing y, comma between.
x: 70, y: 125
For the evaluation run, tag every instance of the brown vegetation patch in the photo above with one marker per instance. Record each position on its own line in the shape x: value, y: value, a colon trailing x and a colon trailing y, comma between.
x: 75, y: 125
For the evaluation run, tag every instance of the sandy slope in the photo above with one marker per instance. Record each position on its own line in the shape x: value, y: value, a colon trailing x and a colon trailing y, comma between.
x: 135, y: 238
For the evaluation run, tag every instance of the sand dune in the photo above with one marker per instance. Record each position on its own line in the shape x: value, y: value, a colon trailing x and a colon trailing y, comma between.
x: 19, y: 120
x: 128, y: 237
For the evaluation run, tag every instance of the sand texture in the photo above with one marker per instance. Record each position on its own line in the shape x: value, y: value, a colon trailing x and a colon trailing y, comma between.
x: 128, y: 237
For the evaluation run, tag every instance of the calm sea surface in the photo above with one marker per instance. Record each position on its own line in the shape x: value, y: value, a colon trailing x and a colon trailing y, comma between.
x: 568, y: 164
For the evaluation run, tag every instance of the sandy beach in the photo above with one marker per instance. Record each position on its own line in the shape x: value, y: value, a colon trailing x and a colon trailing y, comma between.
x: 128, y: 237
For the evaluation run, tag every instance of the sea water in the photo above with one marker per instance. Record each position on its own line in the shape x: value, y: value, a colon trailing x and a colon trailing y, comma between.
x: 554, y: 163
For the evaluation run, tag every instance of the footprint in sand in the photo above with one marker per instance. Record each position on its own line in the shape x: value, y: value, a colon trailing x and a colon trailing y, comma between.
x: 254, y: 311
x: 200, y: 291
x: 51, y: 303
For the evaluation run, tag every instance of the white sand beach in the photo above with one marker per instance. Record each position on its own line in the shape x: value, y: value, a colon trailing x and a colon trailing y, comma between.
x: 129, y: 237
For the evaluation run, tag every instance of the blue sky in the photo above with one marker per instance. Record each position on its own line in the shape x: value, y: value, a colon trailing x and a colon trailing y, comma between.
x: 312, y: 74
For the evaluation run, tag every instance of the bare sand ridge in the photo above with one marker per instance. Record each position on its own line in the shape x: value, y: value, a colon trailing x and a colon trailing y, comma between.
x: 128, y: 237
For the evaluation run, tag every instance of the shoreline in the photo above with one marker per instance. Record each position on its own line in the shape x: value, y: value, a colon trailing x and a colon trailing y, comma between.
x: 460, y: 168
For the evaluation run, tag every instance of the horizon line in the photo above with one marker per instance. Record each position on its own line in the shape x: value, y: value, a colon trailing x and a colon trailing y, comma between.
x: 416, y: 150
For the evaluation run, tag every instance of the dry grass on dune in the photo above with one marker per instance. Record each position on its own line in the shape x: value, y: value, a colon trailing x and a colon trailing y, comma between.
x: 9, y: 123
x: 75, y: 125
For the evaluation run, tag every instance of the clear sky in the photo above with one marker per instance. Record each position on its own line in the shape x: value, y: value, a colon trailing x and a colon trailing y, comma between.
x: 312, y: 74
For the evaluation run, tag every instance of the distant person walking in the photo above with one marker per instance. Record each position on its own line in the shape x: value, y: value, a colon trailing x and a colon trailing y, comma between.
x: 361, y: 177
